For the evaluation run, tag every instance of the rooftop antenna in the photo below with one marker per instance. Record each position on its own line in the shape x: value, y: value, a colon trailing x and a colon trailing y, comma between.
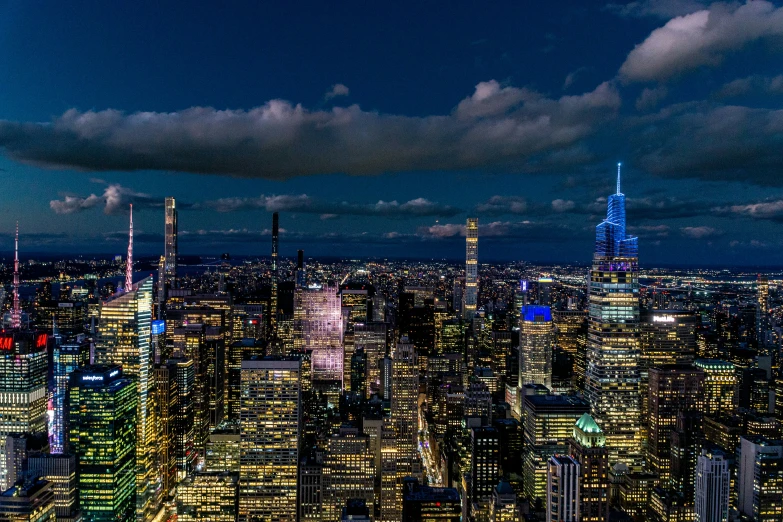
x: 16, y: 313
x: 618, y: 178
x: 129, y: 265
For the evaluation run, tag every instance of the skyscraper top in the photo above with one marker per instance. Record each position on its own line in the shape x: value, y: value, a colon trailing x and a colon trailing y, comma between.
x: 129, y: 264
x: 618, y: 178
x: 16, y: 313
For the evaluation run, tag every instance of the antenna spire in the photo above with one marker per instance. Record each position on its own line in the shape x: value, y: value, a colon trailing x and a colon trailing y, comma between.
x: 129, y: 265
x: 618, y: 178
x: 16, y: 313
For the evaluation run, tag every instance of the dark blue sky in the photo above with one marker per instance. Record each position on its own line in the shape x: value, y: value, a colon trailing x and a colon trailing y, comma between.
x: 376, y: 129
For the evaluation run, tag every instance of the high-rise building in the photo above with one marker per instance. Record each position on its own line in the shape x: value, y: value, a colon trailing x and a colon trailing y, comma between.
x: 102, y: 410
x: 760, y: 478
x: 28, y: 500
x: 548, y: 424
x: 321, y: 329
x: 124, y: 334
x: 60, y: 471
x: 484, y: 465
x: 348, y: 471
x: 169, y: 260
x: 588, y: 447
x: 23, y: 374
x: 713, y: 481
x: 674, y: 388
x: 504, y: 504
x: 405, y: 408
x: 762, y: 309
x: 270, y: 430
x: 272, y: 315
x: 471, y: 268
x: 66, y: 357
x: 612, y: 376
x: 720, y: 383
x: 371, y: 337
x: 208, y: 496
x: 535, y: 345
x: 222, y: 451
x: 571, y: 337
x: 562, y: 491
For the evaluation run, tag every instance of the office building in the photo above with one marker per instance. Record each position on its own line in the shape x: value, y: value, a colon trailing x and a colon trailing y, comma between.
x: 504, y: 504
x: 66, y: 357
x: 124, y: 333
x: 612, y: 375
x: 760, y: 478
x: 270, y: 428
x: 348, y: 471
x: 371, y: 338
x: 720, y: 383
x: 713, y: 481
x: 405, y: 408
x: 484, y: 465
x: 208, y: 496
x: 587, y: 446
x: 60, y: 471
x: 562, y: 492
x: 273, y: 300
x: 23, y: 377
x: 762, y: 310
x: 102, y: 410
x: 222, y: 451
x: 471, y: 269
x: 535, y: 345
x: 674, y: 388
x: 321, y: 330
x: 28, y: 500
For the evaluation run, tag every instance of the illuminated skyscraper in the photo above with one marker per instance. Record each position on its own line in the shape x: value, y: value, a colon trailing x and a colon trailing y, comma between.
x: 270, y: 418
x: 713, y: 481
x: 66, y: 358
x: 720, y: 383
x: 471, y: 268
x: 588, y: 447
x: 612, y: 376
x: 535, y: 345
x: 405, y: 408
x: 124, y: 329
x: 371, y: 337
x: 562, y: 492
x: 102, y: 407
x: 208, y: 496
x: 272, y: 316
x: 28, y: 500
x: 321, y: 327
x: 762, y: 309
x: 23, y: 372
x: 169, y: 279
x: 348, y: 471
x: 60, y: 471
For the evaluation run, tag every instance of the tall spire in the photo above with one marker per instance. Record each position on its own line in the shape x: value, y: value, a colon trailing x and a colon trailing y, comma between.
x: 16, y: 313
x: 129, y: 265
x: 618, y: 178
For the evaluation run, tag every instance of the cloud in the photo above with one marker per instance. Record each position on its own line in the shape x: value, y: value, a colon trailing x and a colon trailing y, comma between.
x: 702, y: 140
x: 572, y: 76
x: 701, y: 38
x: 758, y: 83
x: 649, y: 98
x: 497, y: 128
x: 338, y: 89
x: 657, y: 8
x: 562, y: 205
x: 115, y: 199
x: 539, y: 231
x: 303, y: 203
x: 503, y: 205
x: 771, y: 210
x: 700, y: 232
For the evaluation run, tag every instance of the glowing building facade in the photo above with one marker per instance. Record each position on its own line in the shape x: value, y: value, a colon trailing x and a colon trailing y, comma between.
x: 124, y: 335
x: 66, y: 358
x: 612, y: 373
x: 535, y: 345
x: 471, y: 268
x: 270, y: 418
x: 321, y: 327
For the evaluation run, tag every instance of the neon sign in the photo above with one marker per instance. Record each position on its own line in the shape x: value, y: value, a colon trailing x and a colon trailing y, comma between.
x: 6, y: 343
x: 114, y: 373
x: 92, y: 377
x: 40, y: 341
x: 663, y: 319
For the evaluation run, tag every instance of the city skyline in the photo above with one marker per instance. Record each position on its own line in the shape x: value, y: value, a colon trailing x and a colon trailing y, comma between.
x: 528, y: 106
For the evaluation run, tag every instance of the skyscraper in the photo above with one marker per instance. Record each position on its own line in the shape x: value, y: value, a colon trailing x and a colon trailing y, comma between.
x: 321, y: 328
x: 713, y: 481
x: 66, y: 357
x: 762, y: 309
x: 16, y: 311
x: 612, y: 376
x: 588, y: 447
x: 102, y: 408
x: 124, y: 330
x: 405, y: 409
x: 760, y: 478
x: 208, y: 496
x: 272, y: 316
x: 23, y: 371
x: 562, y: 492
x: 270, y: 419
x: 348, y: 471
x: 471, y: 268
x: 170, y: 247
x: 535, y: 345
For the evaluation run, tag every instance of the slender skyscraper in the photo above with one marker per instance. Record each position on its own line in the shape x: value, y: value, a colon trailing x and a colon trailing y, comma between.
x: 713, y: 482
x: 170, y: 248
x: 471, y: 268
x: 535, y: 345
x: 612, y: 376
x: 272, y: 321
x: 762, y: 309
x: 129, y: 259
x: 16, y: 312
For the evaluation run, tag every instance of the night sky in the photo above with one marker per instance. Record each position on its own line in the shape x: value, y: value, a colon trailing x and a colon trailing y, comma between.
x: 376, y: 128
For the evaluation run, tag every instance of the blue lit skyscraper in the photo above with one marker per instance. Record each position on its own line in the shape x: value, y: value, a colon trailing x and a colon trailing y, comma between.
x: 66, y: 358
x: 612, y: 376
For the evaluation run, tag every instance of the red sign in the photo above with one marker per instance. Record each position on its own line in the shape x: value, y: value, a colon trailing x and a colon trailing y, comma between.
x: 6, y: 343
x: 40, y: 341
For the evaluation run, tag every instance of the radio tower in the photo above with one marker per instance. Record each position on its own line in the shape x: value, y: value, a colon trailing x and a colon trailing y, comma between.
x: 129, y: 265
x: 16, y: 313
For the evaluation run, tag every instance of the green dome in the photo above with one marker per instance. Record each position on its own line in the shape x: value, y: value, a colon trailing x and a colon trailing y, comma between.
x: 587, y: 424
